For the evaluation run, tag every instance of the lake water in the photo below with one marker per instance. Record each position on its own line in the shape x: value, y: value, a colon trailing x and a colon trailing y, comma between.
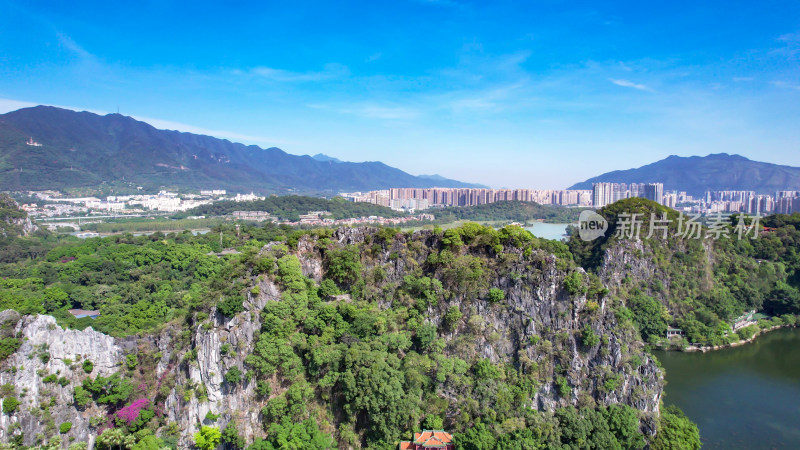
x: 548, y: 230
x: 742, y: 397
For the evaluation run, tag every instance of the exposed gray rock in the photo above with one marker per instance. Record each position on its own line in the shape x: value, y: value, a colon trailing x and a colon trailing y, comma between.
x: 48, y: 349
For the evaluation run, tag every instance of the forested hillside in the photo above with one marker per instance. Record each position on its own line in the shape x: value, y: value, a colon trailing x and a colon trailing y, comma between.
x: 86, y: 150
x: 700, y: 285
x: 349, y: 338
x: 509, y: 210
x: 289, y: 207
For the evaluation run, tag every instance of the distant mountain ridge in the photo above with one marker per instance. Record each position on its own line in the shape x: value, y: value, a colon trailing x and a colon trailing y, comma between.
x: 714, y: 172
x: 82, y: 149
x: 323, y: 157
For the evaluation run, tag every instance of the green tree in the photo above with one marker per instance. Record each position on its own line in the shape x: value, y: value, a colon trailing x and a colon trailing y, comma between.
x: 676, y: 431
x: 649, y: 316
x: 476, y: 437
x: 208, y: 438
x: 343, y: 265
x: 233, y: 375
x: 231, y: 436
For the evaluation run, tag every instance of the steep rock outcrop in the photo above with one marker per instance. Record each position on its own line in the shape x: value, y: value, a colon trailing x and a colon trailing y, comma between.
x: 48, y: 349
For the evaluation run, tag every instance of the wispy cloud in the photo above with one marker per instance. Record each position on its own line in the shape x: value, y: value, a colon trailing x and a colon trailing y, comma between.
x: 329, y: 72
x: 785, y: 85
x: 630, y: 84
x: 495, y: 98
x: 69, y: 44
x: 789, y: 45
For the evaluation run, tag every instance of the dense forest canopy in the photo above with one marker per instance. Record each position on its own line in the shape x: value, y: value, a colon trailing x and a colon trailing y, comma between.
x: 509, y: 210
x: 290, y: 207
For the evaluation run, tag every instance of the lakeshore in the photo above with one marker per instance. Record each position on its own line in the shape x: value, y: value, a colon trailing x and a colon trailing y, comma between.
x: 710, y: 348
x: 742, y: 396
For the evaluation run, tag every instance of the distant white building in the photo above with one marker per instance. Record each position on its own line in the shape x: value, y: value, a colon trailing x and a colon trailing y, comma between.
x: 247, y: 197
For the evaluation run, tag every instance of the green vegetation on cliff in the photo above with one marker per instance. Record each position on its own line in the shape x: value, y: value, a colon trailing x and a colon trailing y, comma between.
x: 698, y: 285
x: 365, y: 335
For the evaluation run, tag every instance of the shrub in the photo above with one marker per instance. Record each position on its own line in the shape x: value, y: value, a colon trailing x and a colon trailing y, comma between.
x: 230, y: 306
x: 263, y: 389
x: 589, y: 338
x: 327, y: 289
x: 65, y: 427
x: 88, y: 366
x: 233, y: 375
x: 10, y: 405
x: 573, y: 283
x: 132, y: 361
x: 343, y: 266
x: 231, y: 436
x: 564, y: 389
x: 81, y: 396
x: 496, y: 295
x: 130, y: 413
x: 225, y: 349
x: 452, y: 317
x: 8, y: 346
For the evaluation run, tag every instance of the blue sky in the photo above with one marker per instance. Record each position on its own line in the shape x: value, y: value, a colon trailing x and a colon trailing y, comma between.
x: 537, y: 94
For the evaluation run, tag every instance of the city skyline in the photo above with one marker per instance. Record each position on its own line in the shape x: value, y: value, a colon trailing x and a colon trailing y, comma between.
x: 454, y: 88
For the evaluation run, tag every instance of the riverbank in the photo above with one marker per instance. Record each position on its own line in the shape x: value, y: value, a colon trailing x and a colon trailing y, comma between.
x: 709, y: 348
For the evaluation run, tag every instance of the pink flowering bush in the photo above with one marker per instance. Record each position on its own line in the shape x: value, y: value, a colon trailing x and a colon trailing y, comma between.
x: 135, y: 414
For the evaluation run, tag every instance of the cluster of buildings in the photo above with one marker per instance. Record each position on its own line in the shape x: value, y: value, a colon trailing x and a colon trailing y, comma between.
x: 53, y: 204
x: 606, y: 193
x: 601, y: 194
x: 783, y: 202
x: 424, y: 198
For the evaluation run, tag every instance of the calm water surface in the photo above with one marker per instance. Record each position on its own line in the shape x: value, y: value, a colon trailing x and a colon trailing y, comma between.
x: 548, y: 230
x: 742, y: 397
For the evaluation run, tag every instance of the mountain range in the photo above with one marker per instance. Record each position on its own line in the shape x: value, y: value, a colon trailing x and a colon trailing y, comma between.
x: 714, y: 172
x: 82, y: 149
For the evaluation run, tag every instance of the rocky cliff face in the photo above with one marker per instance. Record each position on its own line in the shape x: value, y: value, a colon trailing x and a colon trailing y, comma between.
x: 539, y: 325
x: 47, y: 350
x: 538, y: 322
x: 209, y: 393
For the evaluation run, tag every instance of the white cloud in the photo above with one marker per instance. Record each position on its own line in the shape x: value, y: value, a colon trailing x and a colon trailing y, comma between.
x: 69, y: 44
x: 329, y: 72
x: 630, y: 84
